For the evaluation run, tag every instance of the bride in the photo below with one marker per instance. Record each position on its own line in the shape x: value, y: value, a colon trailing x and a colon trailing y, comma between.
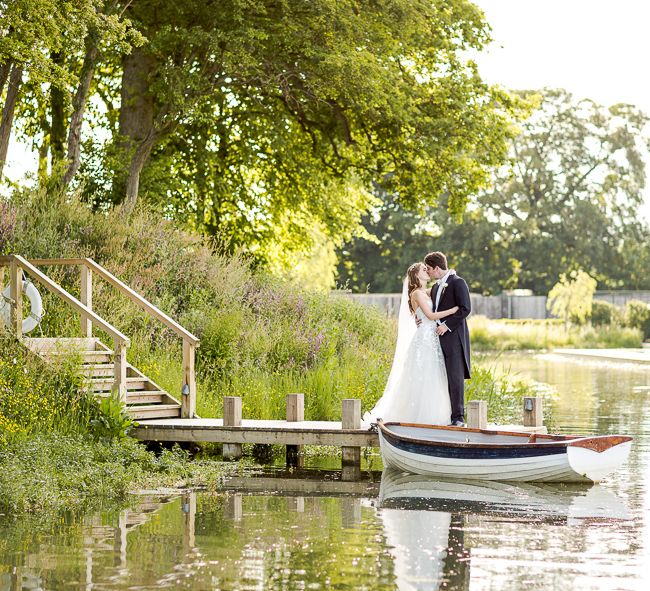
x: 417, y: 390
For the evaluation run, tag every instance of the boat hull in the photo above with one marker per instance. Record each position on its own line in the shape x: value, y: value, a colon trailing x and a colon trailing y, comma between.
x: 552, y: 461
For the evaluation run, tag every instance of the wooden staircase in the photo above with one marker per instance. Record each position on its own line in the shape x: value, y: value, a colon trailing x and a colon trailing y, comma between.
x: 144, y: 398
x: 105, y: 369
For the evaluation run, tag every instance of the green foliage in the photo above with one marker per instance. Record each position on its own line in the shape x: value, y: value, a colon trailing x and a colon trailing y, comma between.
x: 49, y: 473
x: 36, y: 396
x: 503, y: 391
x: 112, y: 421
x: 571, y: 298
x: 569, y: 199
x: 637, y: 315
x: 258, y: 121
x: 603, y: 313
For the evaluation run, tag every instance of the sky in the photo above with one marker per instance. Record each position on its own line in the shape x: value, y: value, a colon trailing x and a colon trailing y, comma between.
x: 595, y: 49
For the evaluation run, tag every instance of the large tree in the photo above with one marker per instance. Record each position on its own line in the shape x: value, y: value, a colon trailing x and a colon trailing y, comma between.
x: 569, y: 200
x: 49, y: 50
x: 260, y: 120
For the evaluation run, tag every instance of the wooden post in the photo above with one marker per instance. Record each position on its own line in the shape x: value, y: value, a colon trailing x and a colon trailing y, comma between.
x: 121, y: 539
x: 350, y: 512
x: 232, y: 407
x: 296, y: 504
x: 16, y: 283
x: 86, y: 298
x: 119, y: 383
x: 188, y: 504
x: 295, y: 412
x: 232, y: 507
x: 533, y: 416
x: 188, y: 389
x: 351, y: 472
x: 351, y: 419
x: 477, y: 414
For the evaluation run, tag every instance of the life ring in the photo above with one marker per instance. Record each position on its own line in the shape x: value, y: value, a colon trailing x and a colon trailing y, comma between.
x: 36, y: 303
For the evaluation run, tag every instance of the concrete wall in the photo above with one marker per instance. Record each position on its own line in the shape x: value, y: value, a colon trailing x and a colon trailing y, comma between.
x: 500, y: 306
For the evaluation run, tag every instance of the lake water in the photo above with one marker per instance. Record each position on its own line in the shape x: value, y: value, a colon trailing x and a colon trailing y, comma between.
x: 316, y: 530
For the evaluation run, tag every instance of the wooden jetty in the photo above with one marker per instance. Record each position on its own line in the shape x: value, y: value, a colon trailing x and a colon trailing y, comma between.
x: 171, y: 417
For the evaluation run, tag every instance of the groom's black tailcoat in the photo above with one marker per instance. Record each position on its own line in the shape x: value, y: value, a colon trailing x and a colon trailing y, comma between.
x: 455, y: 342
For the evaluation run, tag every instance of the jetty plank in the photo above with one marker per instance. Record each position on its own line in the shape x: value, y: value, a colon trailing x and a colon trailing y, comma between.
x: 255, y: 431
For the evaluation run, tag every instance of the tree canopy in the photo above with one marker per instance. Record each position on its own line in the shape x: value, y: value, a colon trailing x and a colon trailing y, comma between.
x: 568, y: 200
x: 258, y: 120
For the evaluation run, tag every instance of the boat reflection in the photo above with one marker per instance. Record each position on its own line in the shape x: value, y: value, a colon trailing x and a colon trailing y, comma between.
x: 544, y: 502
x: 425, y: 520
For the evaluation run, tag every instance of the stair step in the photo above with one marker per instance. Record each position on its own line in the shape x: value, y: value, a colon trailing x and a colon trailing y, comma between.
x: 86, y: 356
x: 46, y: 345
x: 98, y: 370
x: 132, y: 384
x: 146, y: 397
x: 154, y: 411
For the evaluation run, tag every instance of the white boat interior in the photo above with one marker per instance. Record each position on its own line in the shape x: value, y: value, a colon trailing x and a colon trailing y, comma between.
x: 459, y: 435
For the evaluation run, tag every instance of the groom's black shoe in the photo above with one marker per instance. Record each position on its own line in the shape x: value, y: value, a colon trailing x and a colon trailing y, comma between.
x: 457, y: 424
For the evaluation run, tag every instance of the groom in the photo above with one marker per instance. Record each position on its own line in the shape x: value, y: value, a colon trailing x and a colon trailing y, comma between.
x: 449, y: 291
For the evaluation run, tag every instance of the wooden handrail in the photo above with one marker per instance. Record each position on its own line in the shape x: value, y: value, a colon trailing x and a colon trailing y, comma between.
x: 190, y: 342
x: 135, y: 297
x: 125, y: 289
x: 65, y: 296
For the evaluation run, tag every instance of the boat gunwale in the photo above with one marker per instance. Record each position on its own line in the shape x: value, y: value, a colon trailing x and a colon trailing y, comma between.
x: 562, y: 441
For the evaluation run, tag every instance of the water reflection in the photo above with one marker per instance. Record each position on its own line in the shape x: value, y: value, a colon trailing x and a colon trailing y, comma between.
x: 317, y: 529
x: 425, y: 520
x: 561, y: 503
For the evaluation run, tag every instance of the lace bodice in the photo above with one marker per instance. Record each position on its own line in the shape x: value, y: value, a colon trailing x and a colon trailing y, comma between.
x: 422, y: 316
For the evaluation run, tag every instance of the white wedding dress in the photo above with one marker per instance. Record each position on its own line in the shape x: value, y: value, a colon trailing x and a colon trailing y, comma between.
x: 417, y: 390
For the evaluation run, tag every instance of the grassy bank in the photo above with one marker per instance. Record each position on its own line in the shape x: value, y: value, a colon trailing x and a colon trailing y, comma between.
x: 511, y: 335
x: 261, y: 338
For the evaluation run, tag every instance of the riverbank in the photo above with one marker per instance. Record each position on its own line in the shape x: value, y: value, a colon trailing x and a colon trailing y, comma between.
x: 641, y: 356
x: 520, y: 335
x: 261, y: 338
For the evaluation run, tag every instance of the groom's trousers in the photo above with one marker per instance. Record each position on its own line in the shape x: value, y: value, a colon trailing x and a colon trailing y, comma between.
x: 455, y: 365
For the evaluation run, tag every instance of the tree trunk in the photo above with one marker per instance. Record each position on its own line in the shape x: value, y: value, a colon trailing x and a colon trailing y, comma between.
x: 4, y: 74
x: 138, y: 160
x: 79, y: 107
x: 136, y: 124
x: 15, y: 80
x: 57, y: 104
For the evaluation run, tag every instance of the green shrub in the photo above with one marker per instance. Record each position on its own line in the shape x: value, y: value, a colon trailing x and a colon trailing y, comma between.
x: 637, y: 315
x: 38, y: 396
x: 501, y: 389
x: 602, y: 313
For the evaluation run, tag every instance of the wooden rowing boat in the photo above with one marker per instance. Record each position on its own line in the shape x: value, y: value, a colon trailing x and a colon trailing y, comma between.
x: 480, y: 454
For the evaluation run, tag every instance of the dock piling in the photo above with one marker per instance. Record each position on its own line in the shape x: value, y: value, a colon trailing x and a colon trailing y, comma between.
x: 351, y: 419
x: 477, y: 414
x: 533, y: 416
x: 295, y: 412
x: 232, y: 409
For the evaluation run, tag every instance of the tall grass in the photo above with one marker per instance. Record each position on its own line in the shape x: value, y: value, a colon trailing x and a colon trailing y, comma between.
x: 501, y: 335
x: 41, y: 397
x: 261, y: 338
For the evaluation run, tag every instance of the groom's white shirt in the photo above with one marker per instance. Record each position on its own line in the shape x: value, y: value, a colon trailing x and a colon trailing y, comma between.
x: 441, y: 286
